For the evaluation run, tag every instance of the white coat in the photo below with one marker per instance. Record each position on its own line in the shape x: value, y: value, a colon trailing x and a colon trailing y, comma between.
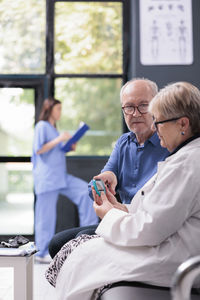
x: 161, y: 230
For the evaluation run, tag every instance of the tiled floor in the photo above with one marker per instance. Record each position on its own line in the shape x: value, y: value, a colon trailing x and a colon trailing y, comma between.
x: 42, y: 289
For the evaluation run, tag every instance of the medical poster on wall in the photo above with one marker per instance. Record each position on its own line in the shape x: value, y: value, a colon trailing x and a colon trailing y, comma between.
x: 166, y: 32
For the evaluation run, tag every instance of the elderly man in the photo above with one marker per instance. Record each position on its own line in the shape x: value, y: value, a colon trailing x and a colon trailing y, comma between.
x: 136, y: 153
x: 134, y: 158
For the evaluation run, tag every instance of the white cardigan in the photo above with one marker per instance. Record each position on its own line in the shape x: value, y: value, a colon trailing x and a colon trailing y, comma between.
x: 161, y: 230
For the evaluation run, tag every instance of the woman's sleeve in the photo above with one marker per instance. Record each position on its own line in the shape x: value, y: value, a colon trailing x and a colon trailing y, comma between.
x: 40, y: 137
x: 161, y: 212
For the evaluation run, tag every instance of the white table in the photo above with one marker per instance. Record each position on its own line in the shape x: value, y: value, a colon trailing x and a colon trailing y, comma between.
x: 23, y: 275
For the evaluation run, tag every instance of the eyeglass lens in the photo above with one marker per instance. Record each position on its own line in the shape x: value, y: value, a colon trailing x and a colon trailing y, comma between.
x: 142, y: 108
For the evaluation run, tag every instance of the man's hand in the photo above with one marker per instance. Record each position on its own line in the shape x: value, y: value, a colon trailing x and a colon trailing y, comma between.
x: 109, y: 179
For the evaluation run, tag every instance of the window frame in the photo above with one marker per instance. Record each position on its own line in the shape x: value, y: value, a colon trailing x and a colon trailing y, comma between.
x: 50, y: 9
x: 44, y: 84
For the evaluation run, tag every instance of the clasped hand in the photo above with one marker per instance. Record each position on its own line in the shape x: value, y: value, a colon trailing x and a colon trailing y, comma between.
x: 102, y: 204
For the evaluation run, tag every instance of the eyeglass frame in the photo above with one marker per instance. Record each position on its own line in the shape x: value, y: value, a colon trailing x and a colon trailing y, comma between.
x: 134, y: 107
x: 164, y: 121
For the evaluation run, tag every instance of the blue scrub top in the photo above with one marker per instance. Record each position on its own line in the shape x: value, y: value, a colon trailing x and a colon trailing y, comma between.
x: 133, y: 164
x: 49, y: 168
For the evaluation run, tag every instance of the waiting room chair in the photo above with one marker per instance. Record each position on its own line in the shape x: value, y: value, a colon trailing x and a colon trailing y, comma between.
x: 181, y: 289
x: 67, y: 214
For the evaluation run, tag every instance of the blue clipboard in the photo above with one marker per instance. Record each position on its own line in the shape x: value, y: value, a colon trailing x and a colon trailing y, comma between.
x: 75, y: 137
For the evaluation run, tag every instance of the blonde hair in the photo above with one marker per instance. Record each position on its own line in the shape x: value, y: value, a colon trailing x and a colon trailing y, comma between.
x: 152, y: 85
x: 178, y: 99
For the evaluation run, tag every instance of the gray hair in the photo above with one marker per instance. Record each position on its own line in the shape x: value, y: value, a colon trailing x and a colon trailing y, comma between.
x: 152, y: 85
x: 179, y: 99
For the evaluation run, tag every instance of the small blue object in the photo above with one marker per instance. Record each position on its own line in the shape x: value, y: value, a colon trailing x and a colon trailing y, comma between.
x: 99, y: 186
x: 77, y: 135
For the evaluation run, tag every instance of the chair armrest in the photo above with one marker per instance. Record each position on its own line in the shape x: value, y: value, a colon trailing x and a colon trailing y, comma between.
x: 184, y: 277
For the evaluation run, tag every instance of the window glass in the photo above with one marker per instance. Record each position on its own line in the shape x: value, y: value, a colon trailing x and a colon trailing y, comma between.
x: 16, y: 121
x: 88, y: 37
x: 95, y: 102
x: 22, y: 36
x: 16, y: 198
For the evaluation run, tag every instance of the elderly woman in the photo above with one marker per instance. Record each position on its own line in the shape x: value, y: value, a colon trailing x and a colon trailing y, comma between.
x: 147, y: 239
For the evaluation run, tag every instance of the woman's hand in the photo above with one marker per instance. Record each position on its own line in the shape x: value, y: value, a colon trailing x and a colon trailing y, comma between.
x: 73, y: 147
x: 64, y: 136
x: 111, y: 198
x: 102, y: 204
x: 114, y: 202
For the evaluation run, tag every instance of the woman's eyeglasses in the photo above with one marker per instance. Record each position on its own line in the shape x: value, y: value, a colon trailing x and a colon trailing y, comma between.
x: 164, y: 121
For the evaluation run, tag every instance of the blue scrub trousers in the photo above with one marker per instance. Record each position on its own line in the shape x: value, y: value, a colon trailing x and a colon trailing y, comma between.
x: 45, y: 211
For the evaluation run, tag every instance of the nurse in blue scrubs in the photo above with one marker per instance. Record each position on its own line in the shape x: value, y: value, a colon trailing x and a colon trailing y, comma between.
x: 51, y: 178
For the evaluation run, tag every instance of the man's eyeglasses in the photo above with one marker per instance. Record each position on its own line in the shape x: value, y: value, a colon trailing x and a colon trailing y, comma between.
x: 129, y: 110
x: 164, y: 121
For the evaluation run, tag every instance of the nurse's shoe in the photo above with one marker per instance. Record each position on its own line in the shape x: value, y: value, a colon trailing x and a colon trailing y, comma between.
x: 43, y: 260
